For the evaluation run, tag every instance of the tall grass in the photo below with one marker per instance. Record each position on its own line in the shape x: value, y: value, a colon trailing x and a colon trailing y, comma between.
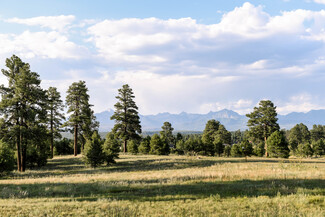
x: 142, y: 185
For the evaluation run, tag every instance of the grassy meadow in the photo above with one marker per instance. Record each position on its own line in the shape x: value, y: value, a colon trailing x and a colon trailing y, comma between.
x: 144, y: 185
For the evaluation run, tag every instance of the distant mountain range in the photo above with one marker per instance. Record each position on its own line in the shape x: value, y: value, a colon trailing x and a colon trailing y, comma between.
x: 196, y: 122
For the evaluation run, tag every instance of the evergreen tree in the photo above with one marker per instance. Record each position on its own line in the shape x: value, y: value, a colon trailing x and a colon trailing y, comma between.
x: 247, y: 148
x: 278, y: 146
x: 7, y: 160
x: 22, y: 107
x: 93, y: 152
x: 227, y: 151
x: 111, y: 148
x: 157, y: 145
x: 81, y: 116
x: 297, y: 135
x: 305, y: 150
x: 127, y: 121
x: 319, y: 147
x: 167, y: 134
x: 236, y: 150
x: 55, y: 115
x: 317, y: 133
x: 144, y: 146
x: 263, y: 122
x: 133, y: 146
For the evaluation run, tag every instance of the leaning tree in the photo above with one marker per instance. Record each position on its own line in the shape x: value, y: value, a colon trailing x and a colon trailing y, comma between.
x: 262, y: 122
x: 127, y: 121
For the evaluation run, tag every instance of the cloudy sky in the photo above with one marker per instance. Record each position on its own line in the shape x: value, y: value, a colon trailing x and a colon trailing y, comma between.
x: 184, y: 55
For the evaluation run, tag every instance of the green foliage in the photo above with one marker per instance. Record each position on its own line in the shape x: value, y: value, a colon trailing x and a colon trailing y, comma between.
x: 127, y: 121
x: 63, y: 147
x: 259, y: 149
x: 277, y: 145
x: 111, y: 148
x: 167, y: 134
x: 133, y: 146
x: 262, y: 121
x: 54, y: 115
x: 317, y: 133
x: 227, y: 151
x: 247, y: 148
x: 157, y: 146
x: 7, y: 160
x: 236, y: 137
x: 319, y: 147
x: 23, y: 109
x: 305, y: 150
x: 214, y: 137
x: 236, y: 150
x: 297, y: 135
x: 144, y: 147
x: 81, y: 120
x: 93, y: 152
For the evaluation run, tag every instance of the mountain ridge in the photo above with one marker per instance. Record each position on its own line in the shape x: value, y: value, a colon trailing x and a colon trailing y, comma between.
x: 196, y: 122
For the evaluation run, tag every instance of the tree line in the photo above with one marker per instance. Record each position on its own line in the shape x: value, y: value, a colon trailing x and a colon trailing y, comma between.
x: 32, y: 120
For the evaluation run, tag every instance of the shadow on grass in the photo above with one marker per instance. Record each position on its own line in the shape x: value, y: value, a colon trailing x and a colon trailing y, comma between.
x: 75, y: 165
x: 157, y: 192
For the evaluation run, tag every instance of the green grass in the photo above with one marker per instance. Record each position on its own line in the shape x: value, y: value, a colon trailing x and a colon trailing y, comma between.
x: 140, y: 185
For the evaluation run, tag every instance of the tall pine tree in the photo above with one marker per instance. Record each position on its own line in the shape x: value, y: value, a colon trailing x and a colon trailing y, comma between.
x: 23, y: 108
x: 262, y: 122
x: 81, y: 117
x: 127, y: 121
x: 54, y: 114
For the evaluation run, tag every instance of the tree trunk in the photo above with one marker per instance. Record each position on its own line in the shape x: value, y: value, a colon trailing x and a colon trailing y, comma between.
x: 23, y: 158
x: 52, y: 135
x: 75, y: 140
x: 266, y: 153
x: 18, y: 153
x: 125, y: 146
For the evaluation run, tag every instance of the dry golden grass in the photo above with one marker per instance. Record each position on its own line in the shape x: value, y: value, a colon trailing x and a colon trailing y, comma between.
x: 144, y: 185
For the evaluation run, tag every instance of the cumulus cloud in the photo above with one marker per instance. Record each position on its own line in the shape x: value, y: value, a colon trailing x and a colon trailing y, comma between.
x: 301, y: 103
x: 41, y: 45
x: 58, y: 23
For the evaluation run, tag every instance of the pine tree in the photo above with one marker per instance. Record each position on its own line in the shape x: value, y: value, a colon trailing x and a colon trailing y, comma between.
x: 81, y: 118
x: 55, y: 115
x: 247, y: 148
x: 167, y: 133
x: 23, y: 108
x: 278, y: 146
x: 319, y: 147
x: 111, y: 148
x: 93, y: 152
x: 144, y: 146
x: 156, y: 145
x: 127, y: 121
x: 263, y: 122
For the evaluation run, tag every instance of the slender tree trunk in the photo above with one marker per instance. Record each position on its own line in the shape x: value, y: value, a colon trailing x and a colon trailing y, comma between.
x: 52, y: 135
x: 125, y: 146
x: 75, y: 140
x: 266, y: 153
x: 23, y: 158
x: 18, y: 148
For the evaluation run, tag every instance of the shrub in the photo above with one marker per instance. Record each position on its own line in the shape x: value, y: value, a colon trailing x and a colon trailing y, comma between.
x: 157, y: 146
x: 63, y: 147
x: 318, y: 147
x: 277, y: 145
x: 236, y: 151
x: 111, y: 148
x: 132, y: 146
x: 226, y: 151
x: 93, y: 152
x: 144, y: 147
x: 7, y: 159
x: 305, y: 150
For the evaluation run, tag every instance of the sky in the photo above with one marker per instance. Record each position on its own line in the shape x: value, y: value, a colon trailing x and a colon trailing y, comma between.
x: 177, y: 56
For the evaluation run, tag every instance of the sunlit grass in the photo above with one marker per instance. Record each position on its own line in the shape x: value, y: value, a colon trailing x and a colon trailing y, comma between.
x: 168, y: 186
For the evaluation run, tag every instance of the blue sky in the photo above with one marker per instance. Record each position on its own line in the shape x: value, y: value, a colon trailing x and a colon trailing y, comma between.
x: 192, y: 56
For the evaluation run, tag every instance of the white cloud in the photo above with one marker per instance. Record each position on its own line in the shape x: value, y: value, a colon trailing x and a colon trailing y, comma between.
x: 41, y: 45
x: 59, y: 23
x: 301, y: 103
x: 320, y: 1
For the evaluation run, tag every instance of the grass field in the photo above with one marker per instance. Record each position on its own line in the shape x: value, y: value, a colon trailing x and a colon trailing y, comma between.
x: 140, y: 185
